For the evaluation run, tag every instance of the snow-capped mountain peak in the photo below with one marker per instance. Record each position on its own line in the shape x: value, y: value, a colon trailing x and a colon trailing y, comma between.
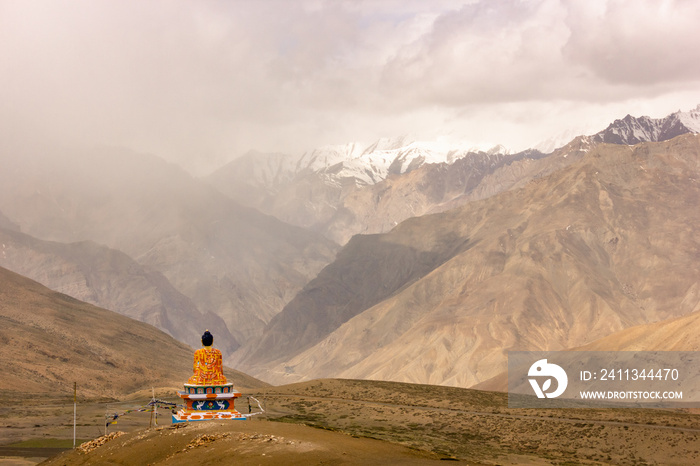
x: 632, y: 130
x: 375, y: 162
x: 690, y: 119
x: 328, y: 156
x: 389, y: 144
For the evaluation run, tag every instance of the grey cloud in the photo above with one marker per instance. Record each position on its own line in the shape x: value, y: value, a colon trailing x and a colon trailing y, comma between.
x: 496, y: 51
x: 645, y: 42
x: 200, y: 82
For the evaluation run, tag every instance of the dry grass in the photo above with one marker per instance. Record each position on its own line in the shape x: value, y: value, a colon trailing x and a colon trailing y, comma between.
x: 478, y: 426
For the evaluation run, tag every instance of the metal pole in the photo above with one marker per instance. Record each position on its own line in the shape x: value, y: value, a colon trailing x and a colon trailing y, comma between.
x: 75, y: 408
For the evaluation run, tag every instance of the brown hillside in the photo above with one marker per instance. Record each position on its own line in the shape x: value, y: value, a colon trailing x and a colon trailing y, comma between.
x: 678, y: 334
x: 50, y: 340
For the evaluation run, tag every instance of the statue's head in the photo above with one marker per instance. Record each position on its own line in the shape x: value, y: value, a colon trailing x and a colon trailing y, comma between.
x: 207, y: 338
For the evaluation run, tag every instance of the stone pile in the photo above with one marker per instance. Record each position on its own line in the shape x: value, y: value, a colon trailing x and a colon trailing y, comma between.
x: 87, y: 447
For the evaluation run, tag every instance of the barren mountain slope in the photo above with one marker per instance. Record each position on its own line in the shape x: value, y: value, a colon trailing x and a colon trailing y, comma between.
x: 606, y: 243
x: 112, y: 280
x: 678, y: 334
x: 50, y: 340
x: 366, y: 272
x: 233, y: 261
x: 8, y: 224
x: 429, y: 188
x: 434, y: 188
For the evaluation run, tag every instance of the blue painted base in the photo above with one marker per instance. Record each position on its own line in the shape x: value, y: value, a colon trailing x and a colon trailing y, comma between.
x: 178, y: 421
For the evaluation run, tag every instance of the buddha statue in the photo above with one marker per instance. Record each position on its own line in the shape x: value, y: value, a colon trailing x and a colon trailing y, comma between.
x: 207, y: 364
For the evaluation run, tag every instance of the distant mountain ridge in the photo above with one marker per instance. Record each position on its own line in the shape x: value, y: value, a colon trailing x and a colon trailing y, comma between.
x: 370, y: 164
x: 338, y: 164
x: 347, y: 189
x: 343, y: 190
x: 630, y: 130
x: 383, y: 158
x: 7, y: 223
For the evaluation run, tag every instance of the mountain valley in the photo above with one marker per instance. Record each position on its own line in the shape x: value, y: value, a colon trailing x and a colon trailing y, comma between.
x: 464, y: 254
x: 226, y: 259
x: 605, y: 243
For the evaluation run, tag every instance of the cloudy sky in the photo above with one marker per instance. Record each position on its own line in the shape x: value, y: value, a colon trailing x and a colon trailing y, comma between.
x: 200, y: 82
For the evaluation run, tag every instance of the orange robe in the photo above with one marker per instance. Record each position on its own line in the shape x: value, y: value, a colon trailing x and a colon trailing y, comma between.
x: 207, y: 367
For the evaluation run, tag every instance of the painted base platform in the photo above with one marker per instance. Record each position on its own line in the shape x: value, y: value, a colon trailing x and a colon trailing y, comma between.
x: 189, y: 416
x: 208, y: 403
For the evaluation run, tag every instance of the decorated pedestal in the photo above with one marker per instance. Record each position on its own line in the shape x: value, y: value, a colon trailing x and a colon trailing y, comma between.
x: 208, y: 402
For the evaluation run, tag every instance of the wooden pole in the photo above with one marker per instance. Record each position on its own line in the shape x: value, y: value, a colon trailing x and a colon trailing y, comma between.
x: 153, y: 407
x: 75, y: 408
